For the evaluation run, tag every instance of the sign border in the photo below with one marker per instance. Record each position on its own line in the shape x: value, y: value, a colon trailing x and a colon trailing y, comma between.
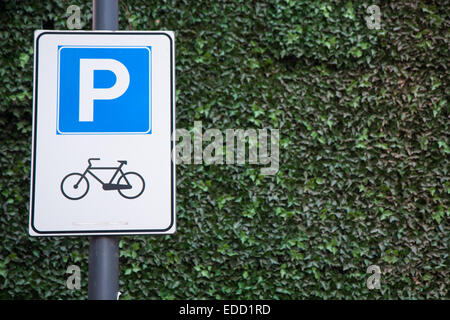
x: 34, y: 139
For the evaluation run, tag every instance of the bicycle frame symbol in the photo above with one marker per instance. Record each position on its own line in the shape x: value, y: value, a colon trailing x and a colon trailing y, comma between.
x: 130, y: 185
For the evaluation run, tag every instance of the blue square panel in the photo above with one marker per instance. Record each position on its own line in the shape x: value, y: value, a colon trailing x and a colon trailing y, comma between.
x: 104, y: 90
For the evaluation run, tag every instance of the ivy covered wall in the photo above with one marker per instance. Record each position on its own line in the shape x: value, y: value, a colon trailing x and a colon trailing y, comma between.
x: 363, y: 176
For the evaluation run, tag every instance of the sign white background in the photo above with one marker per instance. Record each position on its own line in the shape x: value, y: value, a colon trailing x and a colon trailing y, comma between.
x: 55, y: 156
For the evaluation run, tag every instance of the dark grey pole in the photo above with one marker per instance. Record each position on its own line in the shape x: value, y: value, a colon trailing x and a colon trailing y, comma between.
x: 103, y: 281
x: 105, y: 15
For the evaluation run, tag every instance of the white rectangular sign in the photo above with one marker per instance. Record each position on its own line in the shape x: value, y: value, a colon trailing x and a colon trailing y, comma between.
x: 103, y: 119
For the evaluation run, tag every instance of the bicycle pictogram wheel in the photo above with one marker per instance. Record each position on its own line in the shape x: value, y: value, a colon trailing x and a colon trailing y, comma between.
x: 137, y: 185
x: 74, y: 186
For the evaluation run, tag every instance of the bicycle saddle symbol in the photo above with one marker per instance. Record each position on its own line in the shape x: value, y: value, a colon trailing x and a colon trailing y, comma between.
x: 130, y: 185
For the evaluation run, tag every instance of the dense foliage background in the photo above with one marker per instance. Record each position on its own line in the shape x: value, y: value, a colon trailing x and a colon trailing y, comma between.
x: 363, y: 116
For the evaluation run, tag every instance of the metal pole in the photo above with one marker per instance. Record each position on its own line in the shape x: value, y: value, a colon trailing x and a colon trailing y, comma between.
x: 105, y: 15
x: 103, y: 281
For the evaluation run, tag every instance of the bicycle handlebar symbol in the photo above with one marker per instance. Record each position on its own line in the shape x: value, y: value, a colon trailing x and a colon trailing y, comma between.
x: 130, y: 185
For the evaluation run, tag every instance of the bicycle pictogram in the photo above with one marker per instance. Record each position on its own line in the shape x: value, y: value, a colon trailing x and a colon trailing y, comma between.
x: 130, y: 185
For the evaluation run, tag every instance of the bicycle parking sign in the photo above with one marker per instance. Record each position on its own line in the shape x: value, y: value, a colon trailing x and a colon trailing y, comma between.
x: 103, y: 119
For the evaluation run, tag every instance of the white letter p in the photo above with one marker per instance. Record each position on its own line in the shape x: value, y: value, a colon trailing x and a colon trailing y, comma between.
x: 87, y: 91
